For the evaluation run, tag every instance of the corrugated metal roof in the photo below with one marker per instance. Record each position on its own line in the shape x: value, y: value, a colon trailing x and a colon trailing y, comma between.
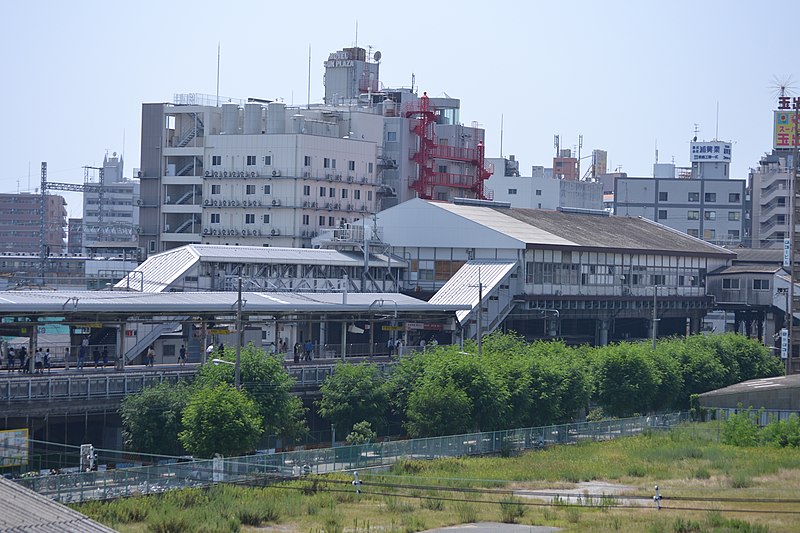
x: 22, y: 510
x: 775, y: 383
x: 159, y: 271
x: 462, y: 288
x: 207, y: 303
x: 758, y: 255
x: 555, y: 228
x: 746, y: 269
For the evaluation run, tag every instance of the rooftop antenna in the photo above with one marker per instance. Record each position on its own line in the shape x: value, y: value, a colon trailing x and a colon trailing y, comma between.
x: 716, y: 125
x: 782, y: 86
x: 501, y: 135
x: 696, y: 131
x: 557, y: 143
x: 218, y: 50
x: 413, y: 79
x: 356, y: 44
x: 308, y: 100
x: 656, y: 151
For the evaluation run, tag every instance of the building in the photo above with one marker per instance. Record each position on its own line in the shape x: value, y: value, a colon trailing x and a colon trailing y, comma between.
x: 20, y: 223
x: 110, y: 211
x: 549, y: 274
x: 75, y: 236
x: 768, y: 189
x: 260, y: 173
x: 708, y: 205
x: 538, y: 191
x: 565, y: 166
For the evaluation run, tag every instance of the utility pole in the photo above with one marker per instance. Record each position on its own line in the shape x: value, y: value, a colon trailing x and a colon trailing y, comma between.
x: 655, y: 315
x: 239, y: 337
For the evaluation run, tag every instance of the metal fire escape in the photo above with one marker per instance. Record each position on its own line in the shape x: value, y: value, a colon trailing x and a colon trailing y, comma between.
x: 423, y: 122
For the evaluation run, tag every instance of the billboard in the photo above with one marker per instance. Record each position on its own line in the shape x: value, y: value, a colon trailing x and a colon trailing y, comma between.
x: 713, y: 152
x: 14, y: 447
x: 785, y: 131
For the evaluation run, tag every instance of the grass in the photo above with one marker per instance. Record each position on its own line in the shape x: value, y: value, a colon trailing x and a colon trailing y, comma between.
x: 687, y: 462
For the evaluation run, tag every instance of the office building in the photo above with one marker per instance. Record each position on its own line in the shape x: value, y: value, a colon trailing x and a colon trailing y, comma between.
x: 20, y: 223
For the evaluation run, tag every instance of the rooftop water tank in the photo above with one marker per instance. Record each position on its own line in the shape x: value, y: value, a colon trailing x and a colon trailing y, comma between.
x: 276, y: 117
x: 252, y: 118
x: 230, y: 118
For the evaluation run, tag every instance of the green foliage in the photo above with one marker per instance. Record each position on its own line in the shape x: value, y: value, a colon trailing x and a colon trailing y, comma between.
x: 741, y: 429
x: 362, y: 434
x: 351, y: 394
x: 782, y: 433
x: 268, y: 383
x: 511, y: 510
x: 151, y: 420
x: 625, y: 379
x: 438, y: 409
x: 220, y: 419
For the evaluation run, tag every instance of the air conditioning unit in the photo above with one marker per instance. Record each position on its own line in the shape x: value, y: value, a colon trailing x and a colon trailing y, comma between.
x: 305, y: 204
x: 336, y: 205
x: 216, y: 173
x: 215, y: 232
x: 274, y: 232
x: 276, y: 202
x: 224, y: 203
x: 304, y: 233
x: 207, y: 202
x: 225, y: 233
x: 313, y: 204
x: 206, y: 231
x: 306, y: 174
x: 350, y: 178
x: 329, y: 176
x: 139, y: 201
x: 259, y: 203
x: 259, y: 232
x: 216, y: 203
x: 338, y: 177
x: 242, y: 174
x: 208, y: 173
x: 327, y: 205
x: 225, y: 174
x: 276, y: 173
x: 349, y: 207
x: 363, y: 180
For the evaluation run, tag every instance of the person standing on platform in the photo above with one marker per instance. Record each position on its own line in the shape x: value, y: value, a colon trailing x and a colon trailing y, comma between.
x: 182, y: 355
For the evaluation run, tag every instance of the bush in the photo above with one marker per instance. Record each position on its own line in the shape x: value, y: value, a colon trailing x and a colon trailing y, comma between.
x: 782, y: 433
x: 741, y: 429
x: 466, y: 513
x: 511, y: 510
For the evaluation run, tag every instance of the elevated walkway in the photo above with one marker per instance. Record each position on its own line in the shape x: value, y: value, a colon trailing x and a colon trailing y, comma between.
x: 494, y: 279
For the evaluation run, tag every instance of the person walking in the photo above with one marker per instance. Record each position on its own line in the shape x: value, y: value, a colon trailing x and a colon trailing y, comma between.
x: 297, y: 349
x: 46, y: 361
x: 105, y: 356
x: 96, y: 356
x: 38, y: 361
x: 151, y: 356
x: 11, y: 356
x: 182, y: 355
x: 82, y: 349
x: 308, y: 346
x: 24, y: 367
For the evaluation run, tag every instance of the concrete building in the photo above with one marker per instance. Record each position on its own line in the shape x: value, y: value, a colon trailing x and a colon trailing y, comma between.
x: 584, y: 278
x: 769, y: 193
x: 260, y: 173
x: 538, y: 191
x: 20, y: 223
x: 709, y: 205
x: 111, y: 214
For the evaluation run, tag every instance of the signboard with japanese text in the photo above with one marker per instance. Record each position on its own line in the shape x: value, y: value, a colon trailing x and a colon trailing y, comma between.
x: 787, y: 252
x: 14, y: 447
x: 714, y: 152
x: 784, y: 343
x: 785, y: 132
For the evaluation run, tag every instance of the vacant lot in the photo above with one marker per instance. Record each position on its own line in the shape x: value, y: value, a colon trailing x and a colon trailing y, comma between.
x: 706, y: 486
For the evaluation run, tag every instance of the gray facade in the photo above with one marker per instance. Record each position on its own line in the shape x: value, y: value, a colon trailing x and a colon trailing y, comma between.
x: 769, y: 194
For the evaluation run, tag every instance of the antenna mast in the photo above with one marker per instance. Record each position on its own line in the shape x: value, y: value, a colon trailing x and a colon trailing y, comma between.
x: 308, y: 100
x: 501, y: 135
x: 218, y: 48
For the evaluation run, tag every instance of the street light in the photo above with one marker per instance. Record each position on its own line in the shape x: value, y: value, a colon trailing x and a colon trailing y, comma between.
x: 222, y: 362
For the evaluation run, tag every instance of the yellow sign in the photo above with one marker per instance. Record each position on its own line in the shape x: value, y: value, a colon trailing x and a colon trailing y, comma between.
x: 219, y: 331
x: 785, y: 133
x: 392, y: 328
x: 14, y: 447
x: 89, y: 325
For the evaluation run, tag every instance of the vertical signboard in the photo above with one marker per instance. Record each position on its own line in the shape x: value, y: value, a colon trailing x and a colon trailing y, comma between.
x: 787, y: 252
x: 784, y: 343
x: 14, y: 447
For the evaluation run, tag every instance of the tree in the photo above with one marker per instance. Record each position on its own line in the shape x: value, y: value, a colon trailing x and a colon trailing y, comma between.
x: 625, y: 379
x: 353, y: 393
x: 220, y: 419
x: 438, y: 409
x: 151, y: 420
x: 362, y: 434
x: 267, y: 382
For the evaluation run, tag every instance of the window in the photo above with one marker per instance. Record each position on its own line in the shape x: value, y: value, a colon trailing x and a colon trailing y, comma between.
x: 331, y: 221
x: 730, y: 283
x: 710, y: 215
x: 321, y: 220
x: 265, y: 219
x: 268, y: 160
x: 781, y: 201
x: 693, y: 232
x: 709, y: 234
x: 307, y: 161
x: 512, y: 191
x: 326, y: 163
x: 333, y: 163
x: 332, y: 192
x: 249, y: 218
x: 442, y: 169
x: 249, y: 189
x: 733, y: 234
x: 760, y: 284
x: 357, y: 194
x: 322, y: 191
x: 694, y: 196
x: 251, y: 160
x: 710, y: 197
x: 344, y: 193
x: 391, y: 136
x: 538, y: 192
x: 351, y: 165
x: 267, y: 189
x: 216, y: 160
x: 662, y: 214
x: 734, y: 215
x: 215, y: 189
x: 693, y: 215
x: 215, y: 218
x: 306, y: 190
x: 663, y: 196
x: 369, y: 195
x: 370, y: 167
x: 306, y: 219
x: 734, y: 197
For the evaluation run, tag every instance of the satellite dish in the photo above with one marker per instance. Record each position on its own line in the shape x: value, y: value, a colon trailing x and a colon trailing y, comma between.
x: 377, y: 55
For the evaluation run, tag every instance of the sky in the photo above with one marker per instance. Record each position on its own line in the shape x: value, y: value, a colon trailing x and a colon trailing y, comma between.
x: 627, y: 75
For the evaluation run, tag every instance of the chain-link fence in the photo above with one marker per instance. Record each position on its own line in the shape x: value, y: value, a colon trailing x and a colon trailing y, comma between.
x: 115, y: 483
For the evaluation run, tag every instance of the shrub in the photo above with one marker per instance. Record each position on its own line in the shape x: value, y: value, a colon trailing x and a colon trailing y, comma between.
x: 741, y: 429
x: 466, y: 513
x: 511, y: 510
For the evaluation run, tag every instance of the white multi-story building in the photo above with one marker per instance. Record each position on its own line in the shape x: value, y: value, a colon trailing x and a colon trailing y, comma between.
x: 769, y: 193
x: 110, y: 214
x: 261, y: 173
x: 539, y: 191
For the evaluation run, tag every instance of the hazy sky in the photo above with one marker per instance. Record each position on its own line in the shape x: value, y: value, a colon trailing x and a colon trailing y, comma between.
x: 624, y: 74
